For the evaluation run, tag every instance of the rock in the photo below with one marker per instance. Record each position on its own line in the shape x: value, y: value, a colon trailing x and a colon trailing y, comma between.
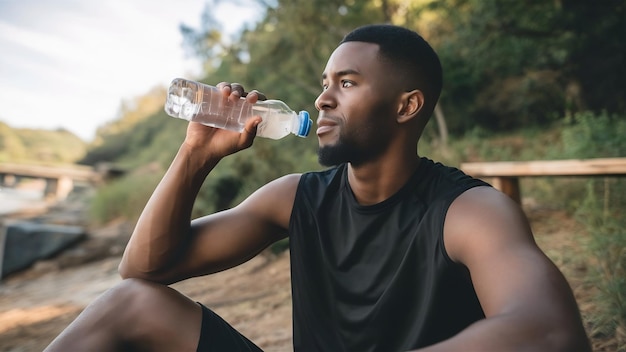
x: 27, y: 242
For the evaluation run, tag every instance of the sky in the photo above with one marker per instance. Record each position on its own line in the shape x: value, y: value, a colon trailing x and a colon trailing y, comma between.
x: 70, y: 63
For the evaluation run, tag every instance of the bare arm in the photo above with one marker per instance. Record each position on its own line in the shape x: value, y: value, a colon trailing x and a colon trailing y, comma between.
x: 528, y: 303
x: 166, y: 246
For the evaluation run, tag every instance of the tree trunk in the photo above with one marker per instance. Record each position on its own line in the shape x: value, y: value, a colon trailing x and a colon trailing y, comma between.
x: 441, y: 125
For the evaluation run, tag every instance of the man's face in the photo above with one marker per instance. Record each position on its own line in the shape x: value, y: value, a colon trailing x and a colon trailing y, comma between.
x: 357, y: 107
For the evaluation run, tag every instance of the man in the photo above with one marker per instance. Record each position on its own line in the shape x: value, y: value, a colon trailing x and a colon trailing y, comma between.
x: 389, y: 251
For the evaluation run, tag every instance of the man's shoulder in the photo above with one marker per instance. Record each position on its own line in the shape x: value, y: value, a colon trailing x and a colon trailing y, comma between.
x: 330, y: 170
x: 435, y: 181
x: 323, y: 176
x: 487, y: 216
x: 314, y: 186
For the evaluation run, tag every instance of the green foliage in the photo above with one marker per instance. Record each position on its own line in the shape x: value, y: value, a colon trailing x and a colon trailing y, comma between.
x: 153, y: 139
x: 597, y: 52
x: 39, y: 146
x: 133, y: 111
x: 602, y: 212
x: 581, y: 136
x: 589, y: 135
x: 126, y: 197
x: 11, y: 146
x: 125, y: 134
x: 509, y: 64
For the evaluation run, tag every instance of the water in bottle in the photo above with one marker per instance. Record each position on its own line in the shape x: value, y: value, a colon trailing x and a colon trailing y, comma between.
x: 198, y: 102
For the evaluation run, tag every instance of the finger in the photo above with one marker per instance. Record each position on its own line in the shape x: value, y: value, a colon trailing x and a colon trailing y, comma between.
x: 249, y: 132
x: 238, y: 88
x: 225, y: 88
x: 256, y: 95
x: 236, y: 92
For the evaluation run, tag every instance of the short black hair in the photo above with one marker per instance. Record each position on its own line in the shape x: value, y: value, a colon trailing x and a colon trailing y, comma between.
x: 408, y: 50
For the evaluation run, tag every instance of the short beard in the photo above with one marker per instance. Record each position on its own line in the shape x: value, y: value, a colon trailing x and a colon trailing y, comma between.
x: 340, y: 153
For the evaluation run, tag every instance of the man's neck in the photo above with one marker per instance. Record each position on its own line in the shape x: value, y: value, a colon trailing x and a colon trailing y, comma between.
x: 375, y: 182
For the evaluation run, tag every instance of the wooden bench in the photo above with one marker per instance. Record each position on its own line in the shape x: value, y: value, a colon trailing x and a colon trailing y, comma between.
x: 505, y: 174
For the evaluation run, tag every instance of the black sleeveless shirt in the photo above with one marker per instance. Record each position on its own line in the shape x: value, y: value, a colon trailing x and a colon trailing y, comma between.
x: 377, y: 278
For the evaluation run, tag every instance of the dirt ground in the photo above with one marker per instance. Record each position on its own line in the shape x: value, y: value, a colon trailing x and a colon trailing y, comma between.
x: 36, y: 304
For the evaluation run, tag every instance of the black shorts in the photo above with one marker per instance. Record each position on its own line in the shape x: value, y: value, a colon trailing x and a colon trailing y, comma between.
x: 217, y: 335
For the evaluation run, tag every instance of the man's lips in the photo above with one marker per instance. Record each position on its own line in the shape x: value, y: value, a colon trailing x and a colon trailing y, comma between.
x: 325, y: 125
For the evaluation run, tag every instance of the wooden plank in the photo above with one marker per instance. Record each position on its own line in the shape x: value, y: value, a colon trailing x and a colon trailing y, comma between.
x: 573, y: 167
x: 76, y: 172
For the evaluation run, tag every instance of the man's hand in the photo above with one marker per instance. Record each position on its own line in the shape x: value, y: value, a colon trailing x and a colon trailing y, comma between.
x: 217, y: 143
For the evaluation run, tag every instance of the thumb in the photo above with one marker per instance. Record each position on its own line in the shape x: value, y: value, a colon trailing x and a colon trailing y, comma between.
x: 249, y: 131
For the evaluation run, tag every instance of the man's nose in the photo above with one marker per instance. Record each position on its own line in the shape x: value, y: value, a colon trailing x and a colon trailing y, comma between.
x: 324, y: 101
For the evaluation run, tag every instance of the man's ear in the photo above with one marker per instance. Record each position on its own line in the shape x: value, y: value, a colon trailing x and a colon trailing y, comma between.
x: 410, y: 105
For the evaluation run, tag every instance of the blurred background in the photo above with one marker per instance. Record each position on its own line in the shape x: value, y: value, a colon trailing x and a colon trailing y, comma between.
x: 84, y: 83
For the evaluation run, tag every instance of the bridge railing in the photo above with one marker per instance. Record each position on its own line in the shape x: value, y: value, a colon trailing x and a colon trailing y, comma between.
x: 59, y: 180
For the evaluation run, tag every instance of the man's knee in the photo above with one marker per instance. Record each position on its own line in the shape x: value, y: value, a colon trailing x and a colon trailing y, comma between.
x: 134, y: 298
x: 149, y: 309
x: 137, y: 294
x: 130, y: 288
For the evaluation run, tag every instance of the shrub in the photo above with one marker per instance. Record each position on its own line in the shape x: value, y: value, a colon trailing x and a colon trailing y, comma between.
x: 601, y: 210
x: 123, y: 198
x: 602, y: 213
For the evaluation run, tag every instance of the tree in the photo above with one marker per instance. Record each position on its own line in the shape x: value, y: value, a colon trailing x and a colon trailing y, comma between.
x: 511, y: 63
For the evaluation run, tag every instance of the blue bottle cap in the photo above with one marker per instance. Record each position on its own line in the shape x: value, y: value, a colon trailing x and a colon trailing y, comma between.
x: 305, y: 124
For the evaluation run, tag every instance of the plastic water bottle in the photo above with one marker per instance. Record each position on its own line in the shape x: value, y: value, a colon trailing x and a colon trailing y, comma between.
x: 198, y: 102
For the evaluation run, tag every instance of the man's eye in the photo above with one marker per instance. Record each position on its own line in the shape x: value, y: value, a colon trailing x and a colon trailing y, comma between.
x: 347, y: 84
x: 324, y: 86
